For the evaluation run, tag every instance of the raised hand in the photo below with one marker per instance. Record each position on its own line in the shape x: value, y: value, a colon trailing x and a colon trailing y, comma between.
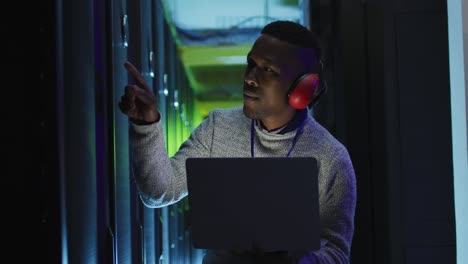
x: 139, y: 102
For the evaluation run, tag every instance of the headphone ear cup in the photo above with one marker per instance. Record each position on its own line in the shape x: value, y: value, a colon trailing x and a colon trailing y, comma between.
x: 302, y: 90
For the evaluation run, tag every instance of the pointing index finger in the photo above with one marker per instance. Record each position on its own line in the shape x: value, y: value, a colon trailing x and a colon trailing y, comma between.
x: 137, y: 75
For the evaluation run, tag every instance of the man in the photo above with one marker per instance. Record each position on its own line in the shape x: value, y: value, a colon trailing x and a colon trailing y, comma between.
x: 284, y: 52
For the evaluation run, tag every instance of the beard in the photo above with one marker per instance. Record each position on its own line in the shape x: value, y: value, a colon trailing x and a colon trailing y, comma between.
x: 253, y: 113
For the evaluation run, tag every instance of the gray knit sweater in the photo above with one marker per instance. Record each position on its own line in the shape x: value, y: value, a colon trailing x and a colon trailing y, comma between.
x: 226, y: 133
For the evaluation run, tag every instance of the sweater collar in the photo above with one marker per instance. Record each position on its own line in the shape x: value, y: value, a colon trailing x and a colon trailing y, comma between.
x: 290, y: 126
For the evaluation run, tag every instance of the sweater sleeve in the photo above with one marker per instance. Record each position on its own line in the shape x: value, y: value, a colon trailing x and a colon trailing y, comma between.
x: 161, y: 180
x: 337, y: 206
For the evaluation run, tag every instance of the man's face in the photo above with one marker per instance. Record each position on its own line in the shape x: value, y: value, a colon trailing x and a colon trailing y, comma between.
x: 272, y: 66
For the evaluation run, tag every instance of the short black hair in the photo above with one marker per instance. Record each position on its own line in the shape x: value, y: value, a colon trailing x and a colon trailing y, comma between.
x: 293, y: 33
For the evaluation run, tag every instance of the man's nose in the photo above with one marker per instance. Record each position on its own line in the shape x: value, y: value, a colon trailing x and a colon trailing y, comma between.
x: 250, y: 78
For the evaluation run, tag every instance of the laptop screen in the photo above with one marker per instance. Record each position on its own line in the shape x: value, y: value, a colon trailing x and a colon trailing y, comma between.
x: 263, y: 203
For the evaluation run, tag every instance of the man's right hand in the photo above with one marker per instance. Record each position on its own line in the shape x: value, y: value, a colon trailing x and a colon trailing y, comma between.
x: 139, y: 102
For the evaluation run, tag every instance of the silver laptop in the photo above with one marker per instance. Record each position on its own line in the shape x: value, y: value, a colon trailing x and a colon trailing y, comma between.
x: 269, y: 204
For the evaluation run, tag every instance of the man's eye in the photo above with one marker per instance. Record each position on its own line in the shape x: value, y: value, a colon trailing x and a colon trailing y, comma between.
x: 268, y: 69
